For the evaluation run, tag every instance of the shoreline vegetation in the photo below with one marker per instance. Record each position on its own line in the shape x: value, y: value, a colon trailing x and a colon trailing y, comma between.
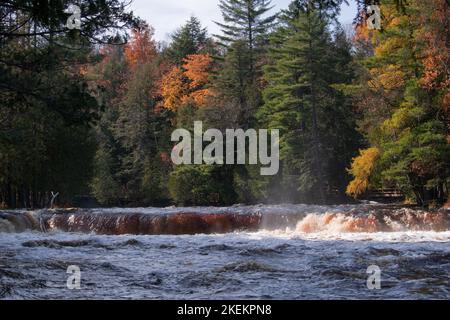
x: 88, y: 113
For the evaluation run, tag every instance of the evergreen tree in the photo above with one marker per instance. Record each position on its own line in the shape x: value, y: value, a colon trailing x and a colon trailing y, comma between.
x: 46, y: 106
x: 237, y: 83
x: 329, y: 9
x: 237, y: 95
x: 191, y: 38
x: 133, y: 133
x: 246, y: 20
x: 301, y: 101
x: 109, y: 76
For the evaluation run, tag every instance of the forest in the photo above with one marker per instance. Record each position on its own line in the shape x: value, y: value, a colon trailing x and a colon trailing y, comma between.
x: 89, y: 112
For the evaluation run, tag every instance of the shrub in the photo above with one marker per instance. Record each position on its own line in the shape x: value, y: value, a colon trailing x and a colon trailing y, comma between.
x: 202, y: 185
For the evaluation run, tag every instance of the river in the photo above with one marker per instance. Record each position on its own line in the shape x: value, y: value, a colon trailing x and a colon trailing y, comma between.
x: 240, y: 252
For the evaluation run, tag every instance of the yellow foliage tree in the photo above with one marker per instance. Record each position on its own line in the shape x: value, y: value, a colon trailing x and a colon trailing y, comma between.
x: 362, y: 169
x: 389, y: 78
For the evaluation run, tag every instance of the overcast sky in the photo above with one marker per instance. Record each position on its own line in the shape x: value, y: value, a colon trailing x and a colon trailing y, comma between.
x: 168, y: 15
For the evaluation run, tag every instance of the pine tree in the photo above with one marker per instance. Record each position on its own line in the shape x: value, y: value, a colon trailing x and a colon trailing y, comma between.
x: 300, y: 101
x: 237, y: 84
x: 237, y: 93
x: 191, y: 38
x: 246, y: 20
x: 329, y: 9
x: 133, y: 133
x: 109, y: 77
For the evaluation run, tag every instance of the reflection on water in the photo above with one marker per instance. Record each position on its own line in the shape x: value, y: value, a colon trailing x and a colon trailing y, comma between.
x: 287, y: 252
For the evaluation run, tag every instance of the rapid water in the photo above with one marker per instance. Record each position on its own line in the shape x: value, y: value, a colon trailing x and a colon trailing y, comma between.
x: 241, y: 252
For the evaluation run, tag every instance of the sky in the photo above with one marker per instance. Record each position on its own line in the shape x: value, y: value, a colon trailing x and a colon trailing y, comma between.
x: 168, y: 15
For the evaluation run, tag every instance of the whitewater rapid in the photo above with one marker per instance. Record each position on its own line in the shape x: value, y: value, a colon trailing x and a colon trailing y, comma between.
x: 284, y: 252
x: 208, y: 220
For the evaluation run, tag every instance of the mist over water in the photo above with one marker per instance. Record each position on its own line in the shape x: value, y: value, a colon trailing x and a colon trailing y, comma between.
x: 241, y: 252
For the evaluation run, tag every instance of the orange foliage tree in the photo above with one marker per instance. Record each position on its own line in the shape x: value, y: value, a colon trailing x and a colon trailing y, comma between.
x: 174, y: 88
x: 197, y: 69
x: 433, y: 34
x: 142, y: 47
x: 188, y: 84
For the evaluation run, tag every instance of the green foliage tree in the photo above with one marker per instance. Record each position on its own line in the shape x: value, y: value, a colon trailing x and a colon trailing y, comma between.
x: 246, y: 20
x: 244, y: 33
x: 191, y: 38
x: 201, y: 185
x: 316, y: 122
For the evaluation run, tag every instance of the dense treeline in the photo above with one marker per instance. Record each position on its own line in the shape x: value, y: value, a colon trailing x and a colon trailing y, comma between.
x: 87, y: 114
x: 46, y: 109
x: 403, y: 94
